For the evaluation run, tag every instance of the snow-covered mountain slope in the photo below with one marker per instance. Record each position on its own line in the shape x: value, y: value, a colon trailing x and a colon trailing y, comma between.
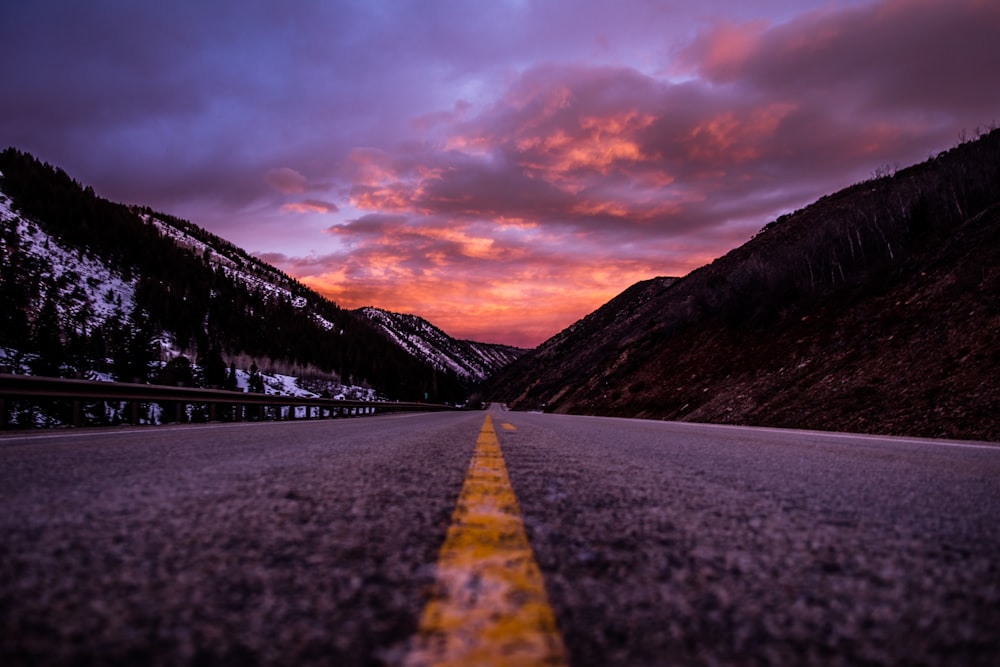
x: 84, y: 290
x: 85, y: 294
x: 469, y: 360
x: 233, y: 261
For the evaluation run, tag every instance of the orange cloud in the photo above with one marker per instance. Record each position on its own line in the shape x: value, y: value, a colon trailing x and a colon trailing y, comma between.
x: 391, y: 197
x: 523, y: 309
x: 596, y: 143
x: 515, y: 283
x: 736, y: 138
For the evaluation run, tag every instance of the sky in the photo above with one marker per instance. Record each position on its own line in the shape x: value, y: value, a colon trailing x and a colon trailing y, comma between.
x: 499, y: 167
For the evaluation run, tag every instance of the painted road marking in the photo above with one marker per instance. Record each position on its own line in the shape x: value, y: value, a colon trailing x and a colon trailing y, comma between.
x: 489, y: 605
x: 508, y: 427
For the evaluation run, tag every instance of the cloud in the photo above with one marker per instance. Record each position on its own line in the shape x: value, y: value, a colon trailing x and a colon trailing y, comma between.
x: 507, y: 280
x: 369, y: 225
x: 603, y: 151
x: 310, y: 206
x: 286, y: 180
x: 472, y: 286
x: 437, y: 118
x: 722, y: 49
x: 780, y: 112
x: 892, y: 57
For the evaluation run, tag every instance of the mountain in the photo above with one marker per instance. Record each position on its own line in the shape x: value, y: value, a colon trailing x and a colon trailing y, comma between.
x: 98, y: 289
x: 875, y: 309
x: 470, y: 361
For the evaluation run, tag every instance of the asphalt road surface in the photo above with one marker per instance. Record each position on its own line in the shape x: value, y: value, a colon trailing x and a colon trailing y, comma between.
x: 300, y: 543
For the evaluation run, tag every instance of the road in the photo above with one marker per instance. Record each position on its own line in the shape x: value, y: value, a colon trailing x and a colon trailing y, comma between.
x: 300, y: 543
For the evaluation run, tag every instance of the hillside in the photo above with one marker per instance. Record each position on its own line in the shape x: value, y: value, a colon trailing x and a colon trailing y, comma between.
x: 470, y: 361
x: 93, y: 288
x: 876, y: 309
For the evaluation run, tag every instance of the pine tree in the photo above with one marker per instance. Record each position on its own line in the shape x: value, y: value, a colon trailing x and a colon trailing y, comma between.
x: 256, y: 381
x: 214, y: 368
x: 48, y: 343
x: 132, y: 362
x: 231, y: 377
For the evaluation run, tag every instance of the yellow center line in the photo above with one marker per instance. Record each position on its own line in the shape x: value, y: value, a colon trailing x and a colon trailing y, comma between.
x: 489, y: 605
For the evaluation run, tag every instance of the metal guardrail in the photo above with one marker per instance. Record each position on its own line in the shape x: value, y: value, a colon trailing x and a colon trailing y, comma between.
x: 20, y: 388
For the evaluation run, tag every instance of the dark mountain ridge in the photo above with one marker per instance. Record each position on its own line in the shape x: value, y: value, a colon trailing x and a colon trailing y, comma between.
x: 875, y: 309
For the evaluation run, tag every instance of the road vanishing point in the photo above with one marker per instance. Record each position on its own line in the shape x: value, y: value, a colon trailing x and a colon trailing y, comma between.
x: 497, y: 538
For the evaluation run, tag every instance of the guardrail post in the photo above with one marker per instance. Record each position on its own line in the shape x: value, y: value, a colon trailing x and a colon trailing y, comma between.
x: 211, y: 412
x: 135, y: 413
x: 76, y: 412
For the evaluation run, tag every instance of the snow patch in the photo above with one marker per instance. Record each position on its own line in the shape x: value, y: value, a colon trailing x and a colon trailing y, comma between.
x: 421, y: 339
x: 94, y: 293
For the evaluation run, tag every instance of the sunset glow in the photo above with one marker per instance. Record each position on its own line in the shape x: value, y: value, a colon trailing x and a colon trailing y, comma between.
x: 500, y: 170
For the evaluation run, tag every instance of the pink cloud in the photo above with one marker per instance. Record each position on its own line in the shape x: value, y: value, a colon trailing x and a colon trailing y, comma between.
x: 369, y: 167
x: 289, y: 181
x: 286, y: 180
x: 896, y: 56
x: 596, y: 149
x: 721, y: 49
x: 437, y: 118
x: 310, y: 206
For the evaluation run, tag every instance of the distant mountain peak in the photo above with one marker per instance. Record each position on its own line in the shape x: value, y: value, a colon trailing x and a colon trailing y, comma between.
x: 470, y: 360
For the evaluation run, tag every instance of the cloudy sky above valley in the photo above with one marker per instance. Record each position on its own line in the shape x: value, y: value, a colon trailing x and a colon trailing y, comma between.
x: 501, y: 168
